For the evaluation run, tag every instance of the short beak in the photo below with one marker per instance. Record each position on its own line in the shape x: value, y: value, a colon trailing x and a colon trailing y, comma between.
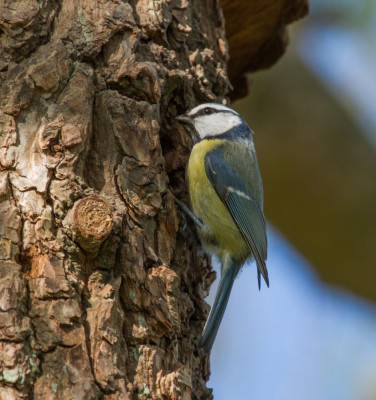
x: 184, y: 119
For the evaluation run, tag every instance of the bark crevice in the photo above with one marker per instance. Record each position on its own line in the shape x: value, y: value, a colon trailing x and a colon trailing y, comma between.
x: 102, y: 295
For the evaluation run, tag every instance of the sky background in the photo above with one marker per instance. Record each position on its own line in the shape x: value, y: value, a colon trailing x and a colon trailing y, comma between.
x: 303, y: 339
x: 299, y: 339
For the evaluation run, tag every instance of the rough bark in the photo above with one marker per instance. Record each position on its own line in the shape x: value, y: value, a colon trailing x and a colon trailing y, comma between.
x: 101, y: 287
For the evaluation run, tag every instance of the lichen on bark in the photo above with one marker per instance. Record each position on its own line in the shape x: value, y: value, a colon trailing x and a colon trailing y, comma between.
x: 101, y: 296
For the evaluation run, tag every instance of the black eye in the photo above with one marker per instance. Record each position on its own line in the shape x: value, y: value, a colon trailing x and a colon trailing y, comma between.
x: 207, y: 110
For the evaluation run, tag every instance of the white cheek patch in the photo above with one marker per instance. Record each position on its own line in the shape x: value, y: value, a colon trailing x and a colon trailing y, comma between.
x: 215, y: 124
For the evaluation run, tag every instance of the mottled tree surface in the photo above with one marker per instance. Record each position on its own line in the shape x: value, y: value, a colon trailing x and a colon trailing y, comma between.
x: 102, y: 281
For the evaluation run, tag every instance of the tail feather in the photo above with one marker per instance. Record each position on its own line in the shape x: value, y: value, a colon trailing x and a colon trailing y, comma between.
x: 261, y: 270
x: 220, y: 302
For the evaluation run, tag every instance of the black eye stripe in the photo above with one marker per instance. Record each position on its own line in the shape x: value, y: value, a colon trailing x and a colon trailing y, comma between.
x: 204, y: 111
x: 209, y: 111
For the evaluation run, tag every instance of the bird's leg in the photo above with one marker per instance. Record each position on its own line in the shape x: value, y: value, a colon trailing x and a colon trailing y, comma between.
x: 194, y: 218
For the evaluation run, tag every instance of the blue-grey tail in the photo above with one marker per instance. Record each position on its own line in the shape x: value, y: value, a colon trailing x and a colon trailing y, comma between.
x: 261, y: 270
x: 213, y: 322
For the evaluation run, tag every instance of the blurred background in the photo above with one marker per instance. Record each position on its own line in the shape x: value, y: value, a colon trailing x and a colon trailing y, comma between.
x: 312, y: 335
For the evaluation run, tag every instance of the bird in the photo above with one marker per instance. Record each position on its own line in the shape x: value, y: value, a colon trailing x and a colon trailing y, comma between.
x: 226, y: 199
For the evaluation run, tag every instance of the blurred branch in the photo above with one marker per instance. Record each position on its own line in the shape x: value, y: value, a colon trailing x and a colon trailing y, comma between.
x: 257, y: 35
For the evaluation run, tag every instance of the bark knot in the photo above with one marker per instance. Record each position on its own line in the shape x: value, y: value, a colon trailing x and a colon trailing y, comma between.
x: 92, y: 222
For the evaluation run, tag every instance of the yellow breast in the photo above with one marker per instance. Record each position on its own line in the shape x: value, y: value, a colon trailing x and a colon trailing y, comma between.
x: 220, y: 234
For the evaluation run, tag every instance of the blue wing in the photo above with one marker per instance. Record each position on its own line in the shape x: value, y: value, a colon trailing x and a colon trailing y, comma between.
x: 241, y: 204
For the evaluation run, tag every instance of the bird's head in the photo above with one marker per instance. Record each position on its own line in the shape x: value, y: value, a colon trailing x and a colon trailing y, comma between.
x: 212, y: 120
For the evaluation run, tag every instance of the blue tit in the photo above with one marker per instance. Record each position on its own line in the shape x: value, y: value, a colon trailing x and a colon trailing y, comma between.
x: 226, y: 197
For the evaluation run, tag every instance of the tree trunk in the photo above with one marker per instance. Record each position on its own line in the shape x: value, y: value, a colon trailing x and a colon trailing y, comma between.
x: 101, y: 287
